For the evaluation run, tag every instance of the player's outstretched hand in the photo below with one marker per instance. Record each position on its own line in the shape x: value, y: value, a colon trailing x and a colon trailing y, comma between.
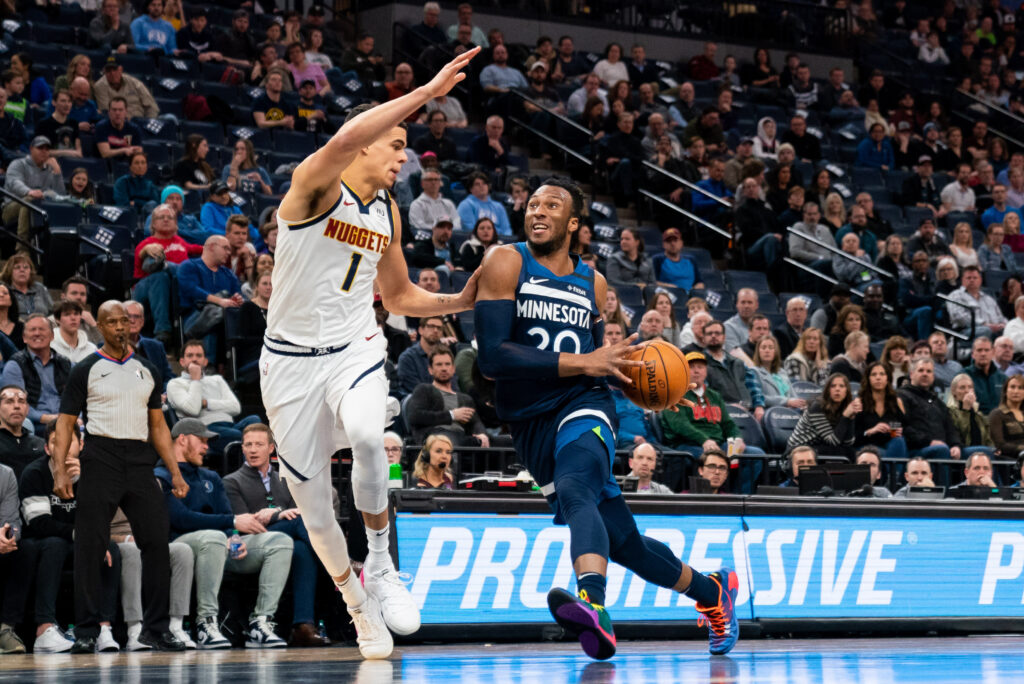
x: 451, y: 74
x: 467, y: 298
x: 684, y: 401
x: 608, y: 359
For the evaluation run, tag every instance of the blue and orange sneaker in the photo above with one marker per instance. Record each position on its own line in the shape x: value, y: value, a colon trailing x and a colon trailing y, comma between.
x: 723, y: 627
x: 587, y: 621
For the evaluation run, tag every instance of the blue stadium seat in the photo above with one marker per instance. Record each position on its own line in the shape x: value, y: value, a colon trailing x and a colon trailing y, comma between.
x: 994, y: 280
x: 955, y: 217
x: 99, y: 214
x: 62, y: 213
x: 768, y: 303
x: 170, y: 105
x: 213, y: 132
x: 748, y: 426
x: 915, y: 214
x: 802, y: 389
x: 97, y: 168
x: 157, y: 129
x: 890, y: 212
x: 604, y: 213
x: 894, y: 180
x: 260, y: 137
x: 713, y: 280
x: 158, y: 152
x: 779, y: 423
x: 294, y: 142
x: 861, y: 176
x: 699, y: 256
x: 737, y: 280
x: 631, y: 296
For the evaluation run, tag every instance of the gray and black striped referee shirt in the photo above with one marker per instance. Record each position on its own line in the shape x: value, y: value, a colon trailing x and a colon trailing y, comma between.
x: 113, y: 397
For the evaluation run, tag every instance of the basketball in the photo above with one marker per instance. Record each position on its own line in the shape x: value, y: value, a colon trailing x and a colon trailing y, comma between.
x: 663, y: 379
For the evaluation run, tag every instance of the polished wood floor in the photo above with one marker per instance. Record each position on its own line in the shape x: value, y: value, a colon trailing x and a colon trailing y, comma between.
x: 985, y: 660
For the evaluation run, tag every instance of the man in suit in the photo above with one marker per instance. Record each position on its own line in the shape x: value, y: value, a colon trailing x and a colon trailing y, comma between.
x: 255, y: 488
x: 437, y: 407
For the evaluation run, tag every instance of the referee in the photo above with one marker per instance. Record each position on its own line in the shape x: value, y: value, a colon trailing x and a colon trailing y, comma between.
x: 118, y: 395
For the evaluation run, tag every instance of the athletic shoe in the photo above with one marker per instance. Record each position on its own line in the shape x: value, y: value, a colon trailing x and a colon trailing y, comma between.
x: 401, y: 614
x: 165, y: 641
x: 10, y: 642
x: 106, y: 642
x: 372, y: 635
x: 182, y: 636
x: 261, y: 634
x: 84, y: 645
x: 587, y: 621
x: 723, y: 627
x: 52, y: 641
x: 134, y: 644
x: 208, y: 636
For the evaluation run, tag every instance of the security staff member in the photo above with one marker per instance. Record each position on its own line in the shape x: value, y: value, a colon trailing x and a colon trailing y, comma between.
x: 118, y: 395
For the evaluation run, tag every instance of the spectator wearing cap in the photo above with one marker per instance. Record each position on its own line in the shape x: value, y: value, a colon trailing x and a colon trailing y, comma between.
x: 152, y: 33
x: 156, y: 259
x: 116, y: 136
x: 858, y: 225
x: 203, y: 519
x: 436, y: 140
x: 115, y: 83
x: 920, y: 190
x: 430, y: 206
x: 236, y: 44
x: 216, y: 211
x: 958, y: 195
x: 672, y: 266
x: 734, y: 167
x: 875, y: 151
x: 69, y: 339
x: 198, y: 38
x: 31, y: 178
x: 932, y: 144
x: 437, y: 251
x: 311, y: 112
x: 907, y: 150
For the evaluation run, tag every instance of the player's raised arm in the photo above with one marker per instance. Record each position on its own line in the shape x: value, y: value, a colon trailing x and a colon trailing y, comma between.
x: 323, y: 168
x: 400, y: 296
x: 494, y: 317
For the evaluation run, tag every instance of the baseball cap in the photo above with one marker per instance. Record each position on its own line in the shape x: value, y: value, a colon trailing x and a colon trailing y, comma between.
x: 112, y: 62
x: 903, y: 126
x: 696, y: 356
x: 239, y: 13
x: 924, y: 159
x: 930, y: 126
x: 191, y: 426
x: 41, y: 141
x: 441, y: 220
x: 539, y: 64
x: 218, y: 187
x: 745, y: 141
x: 315, y: 11
x: 428, y: 155
x: 924, y: 220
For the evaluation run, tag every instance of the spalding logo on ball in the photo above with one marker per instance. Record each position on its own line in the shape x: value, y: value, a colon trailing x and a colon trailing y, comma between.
x: 663, y: 379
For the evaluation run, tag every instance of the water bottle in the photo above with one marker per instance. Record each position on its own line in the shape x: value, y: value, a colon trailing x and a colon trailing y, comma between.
x: 234, y: 545
x: 395, y: 476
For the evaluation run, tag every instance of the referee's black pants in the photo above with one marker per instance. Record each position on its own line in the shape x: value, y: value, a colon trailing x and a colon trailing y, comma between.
x: 119, y: 472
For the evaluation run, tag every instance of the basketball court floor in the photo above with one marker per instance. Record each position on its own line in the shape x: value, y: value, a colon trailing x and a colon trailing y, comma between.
x: 978, y: 660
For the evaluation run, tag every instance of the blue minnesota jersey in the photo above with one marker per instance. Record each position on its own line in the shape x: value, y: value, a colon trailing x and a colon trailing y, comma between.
x: 553, y: 313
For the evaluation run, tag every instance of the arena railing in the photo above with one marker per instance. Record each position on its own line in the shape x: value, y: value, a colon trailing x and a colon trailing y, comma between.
x: 679, y: 210
x: 38, y: 211
x: 1012, y: 121
x: 589, y: 161
x: 840, y: 253
x: 688, y: 185
x: 399, y: 55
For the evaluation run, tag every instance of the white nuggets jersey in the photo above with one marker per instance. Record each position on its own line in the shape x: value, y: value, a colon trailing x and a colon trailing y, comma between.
x: 324, y: 270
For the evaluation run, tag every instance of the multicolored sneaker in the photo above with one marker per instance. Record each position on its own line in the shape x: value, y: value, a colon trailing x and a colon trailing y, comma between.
x: 723, y: 627
x: 587, y: 621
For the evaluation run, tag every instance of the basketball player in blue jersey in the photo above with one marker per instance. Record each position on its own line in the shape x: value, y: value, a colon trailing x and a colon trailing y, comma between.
x: 540, y: 335
x: 322, y: 366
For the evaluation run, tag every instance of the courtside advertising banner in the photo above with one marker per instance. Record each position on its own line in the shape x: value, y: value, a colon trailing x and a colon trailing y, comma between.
x: 487, y: 568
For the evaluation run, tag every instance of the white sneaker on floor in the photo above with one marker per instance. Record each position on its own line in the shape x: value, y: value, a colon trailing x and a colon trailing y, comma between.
x: 388, y: 586
x: 374, y: 639
x: 52, y: 641
x: 208, y: 635
x: 261, y: 634
x: 182, y: 636
x: 106, y: 643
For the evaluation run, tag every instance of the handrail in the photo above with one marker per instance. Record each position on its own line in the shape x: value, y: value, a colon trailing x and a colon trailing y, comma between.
x: 560, y: 117
x: 970, y: 309
x: 992, y: 129
x: 25, y: 203
x: 997, y: 108
x: 835, y: 250
x: 31, y: 207
x: 829, y: 279
x: 693, y: 187
x: 547, y: 138
x: 684, y: 212
x: 396, y: 48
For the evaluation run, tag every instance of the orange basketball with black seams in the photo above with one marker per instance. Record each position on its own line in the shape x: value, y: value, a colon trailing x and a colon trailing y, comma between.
x: 663, y: 379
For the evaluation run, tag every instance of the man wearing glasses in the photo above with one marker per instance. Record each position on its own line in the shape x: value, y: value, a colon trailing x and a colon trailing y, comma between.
x: 256, y: 488
x: 672, y: 267
x: 430, y: 206
x: 413, y: 368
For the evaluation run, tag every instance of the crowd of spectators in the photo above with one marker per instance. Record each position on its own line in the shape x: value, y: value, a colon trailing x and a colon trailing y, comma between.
x: 862, y: 177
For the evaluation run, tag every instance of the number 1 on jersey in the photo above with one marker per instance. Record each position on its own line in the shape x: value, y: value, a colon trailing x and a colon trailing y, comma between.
x: 350, y: 276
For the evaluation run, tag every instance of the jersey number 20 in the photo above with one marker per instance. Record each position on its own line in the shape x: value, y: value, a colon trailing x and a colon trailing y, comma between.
x: 547, y: 344
x: 350, y: 276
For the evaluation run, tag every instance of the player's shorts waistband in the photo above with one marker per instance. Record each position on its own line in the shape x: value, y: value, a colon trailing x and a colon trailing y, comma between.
x: 288, y: 349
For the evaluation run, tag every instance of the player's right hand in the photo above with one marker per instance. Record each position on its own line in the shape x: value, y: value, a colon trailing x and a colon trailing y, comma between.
x: 451, y: 74
x: 610, y: 358
x: 62, y: 483
x: 467, y: 298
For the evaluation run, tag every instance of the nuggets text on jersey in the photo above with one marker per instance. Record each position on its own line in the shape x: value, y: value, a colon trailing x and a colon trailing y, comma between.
x: 356, y: 236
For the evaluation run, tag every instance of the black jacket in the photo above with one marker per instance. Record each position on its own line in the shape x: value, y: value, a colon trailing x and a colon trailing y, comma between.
x: 915, y: 190
x: 806, y: 146
x: 33, y: 383
x: 787, y: 337
x: 17, y: 452
x: 423, y: 256
x: 247, y: 494
x: 425, y: 411
x: 881, y: 325
x: 753, y: 221
x: 927, y: 418
x: 45, y: 515
x: 622, y: 146
x: 443, y: 147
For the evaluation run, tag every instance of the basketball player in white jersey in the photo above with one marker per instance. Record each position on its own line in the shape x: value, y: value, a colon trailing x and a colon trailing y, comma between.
x: 322, y: 367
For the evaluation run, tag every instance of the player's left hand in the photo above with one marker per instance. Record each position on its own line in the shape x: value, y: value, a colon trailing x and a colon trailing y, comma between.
x: 450, y: 74
x: 467, y: 298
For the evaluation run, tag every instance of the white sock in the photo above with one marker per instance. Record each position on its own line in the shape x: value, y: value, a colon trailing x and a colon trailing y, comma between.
x: 378, y: 557
x: 134, y: 630
x: 176, y: 624
x: 352, y: 590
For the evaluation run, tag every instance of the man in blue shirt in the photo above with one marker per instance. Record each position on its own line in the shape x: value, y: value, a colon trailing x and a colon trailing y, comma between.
x: 673, y: 267
x: 479, y: 204
x: 153, y: 32
x: 214, y: 214
x: 875, y: 151
x: 704, y: 206
x: 40, y: 371
x: 999, y: 209
x: 208, y: 281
